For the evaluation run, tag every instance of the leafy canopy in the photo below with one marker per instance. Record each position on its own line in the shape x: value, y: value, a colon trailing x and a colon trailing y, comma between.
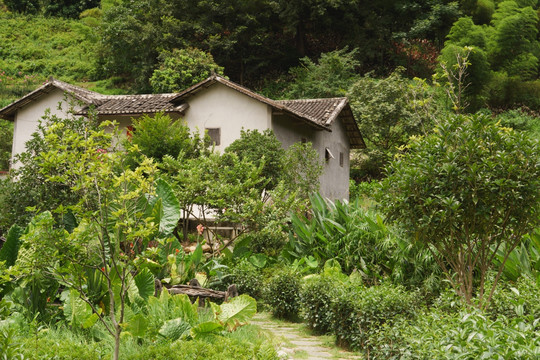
x: 179, y: 69
x: 464, y: 190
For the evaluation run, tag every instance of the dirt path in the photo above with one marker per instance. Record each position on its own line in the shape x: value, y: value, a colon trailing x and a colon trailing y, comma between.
x: 296, y: 342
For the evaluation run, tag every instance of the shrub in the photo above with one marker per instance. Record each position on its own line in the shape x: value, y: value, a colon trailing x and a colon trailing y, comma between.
x: 267, y: 242
x: 359, y: 312
x: 519, y: 300
x: 248, y: 279
x: 316, y: 299
x: 282, y: 294
x: 463, y: 335
x: 224, y: 348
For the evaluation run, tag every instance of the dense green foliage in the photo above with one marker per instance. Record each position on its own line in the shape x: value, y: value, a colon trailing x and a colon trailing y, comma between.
x: 261, y: 148
x: 180, y: 69
x: 465, y: 190
x: 32, y: 190
x: 503, y: 64
x: 388, y: 112
x: 94, y: 228
x: 6, y: 134
x: 36, y: 47
x: 282, y: 294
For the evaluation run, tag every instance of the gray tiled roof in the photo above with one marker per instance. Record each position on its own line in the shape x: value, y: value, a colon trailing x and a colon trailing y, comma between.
x: 86, y: 96
x: 325, y: 112
x: 318, y: 113
x: 322, y: 111
x: 136, y: 104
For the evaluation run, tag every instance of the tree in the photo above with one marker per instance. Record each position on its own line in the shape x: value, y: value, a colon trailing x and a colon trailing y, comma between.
x: 159, y: 135
x: 464, y: 191
x: 27, y: 187
x: 301, y: 170
x: 63, y: 8
x: 505, y: 53
x: 388, y: 112
x: 261, y: 149
x: 514, y: 43
x: 119, y: 212
x: 180, y: 69
x: 23, y: 6
x: 215, y: 188
x: 68, y: 8
x: 331, y: 76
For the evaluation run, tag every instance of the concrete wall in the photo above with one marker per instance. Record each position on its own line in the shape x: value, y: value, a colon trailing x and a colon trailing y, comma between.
x: 222, y: 107
x: 334, y: 182
x: 27, y: 118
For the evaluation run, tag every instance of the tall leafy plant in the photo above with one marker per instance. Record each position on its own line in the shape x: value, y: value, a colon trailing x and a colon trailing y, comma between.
x: 345, y: 232
x: 466, y: 191
x: 119, y: 212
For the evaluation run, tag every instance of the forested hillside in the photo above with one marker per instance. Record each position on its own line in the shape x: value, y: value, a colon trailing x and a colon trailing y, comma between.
x: 122, y: 44
x: 483, y: 54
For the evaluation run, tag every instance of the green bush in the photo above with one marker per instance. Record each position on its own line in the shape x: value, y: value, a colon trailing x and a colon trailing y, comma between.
x: 316, y: 299
x: 247, y: 277
x: 359, y: 312
x: 519, y: 300
x: 282, y: 294
x: 463, y: 335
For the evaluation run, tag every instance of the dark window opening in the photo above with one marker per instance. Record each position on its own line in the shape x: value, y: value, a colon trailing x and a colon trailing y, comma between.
x: 215, y: 135
x: 328, y: 155
x: 341, y: 159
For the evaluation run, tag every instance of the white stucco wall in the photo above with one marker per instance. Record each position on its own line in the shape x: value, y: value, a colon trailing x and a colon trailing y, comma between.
x: 334, y: 182
x: 222, y: 107
x: 27, y: 118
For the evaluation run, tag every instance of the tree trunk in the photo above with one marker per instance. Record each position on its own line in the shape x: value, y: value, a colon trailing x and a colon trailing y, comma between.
x: 117, y: 343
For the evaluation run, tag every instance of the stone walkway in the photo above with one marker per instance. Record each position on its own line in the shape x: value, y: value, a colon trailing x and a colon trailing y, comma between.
x: 295, y: 342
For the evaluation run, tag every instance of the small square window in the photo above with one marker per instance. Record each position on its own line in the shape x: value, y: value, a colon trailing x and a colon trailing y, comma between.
x: 303, y: 140
x: 215, y: 135
x: 341, y: 159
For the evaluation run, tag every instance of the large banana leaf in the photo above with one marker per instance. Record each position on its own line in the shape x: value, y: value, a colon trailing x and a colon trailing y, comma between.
x: 175, y: 329
x: 10, y: 250
x: 236, y: 312
x: 145, y: 283
x: 205, y: 329
x: 167, y: 209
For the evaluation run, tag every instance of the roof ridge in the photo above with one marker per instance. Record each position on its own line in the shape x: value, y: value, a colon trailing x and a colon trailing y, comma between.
x: 121, y: 96
x: 313, y: 99
x: 74, y: 89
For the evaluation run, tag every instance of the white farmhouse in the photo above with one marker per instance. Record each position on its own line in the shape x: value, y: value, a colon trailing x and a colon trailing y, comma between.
x: 219, y: 106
